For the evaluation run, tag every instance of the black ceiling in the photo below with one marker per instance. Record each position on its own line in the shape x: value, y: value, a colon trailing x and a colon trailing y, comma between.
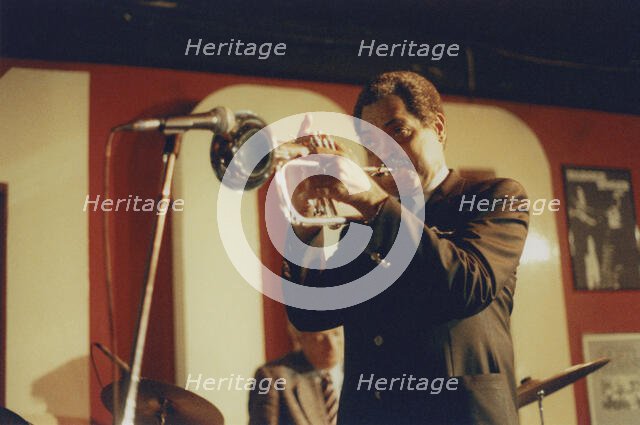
x: 563, y: 52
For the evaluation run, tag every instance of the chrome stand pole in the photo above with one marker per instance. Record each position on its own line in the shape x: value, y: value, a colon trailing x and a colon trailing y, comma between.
x: 171, y: 150
x: 540, y: 395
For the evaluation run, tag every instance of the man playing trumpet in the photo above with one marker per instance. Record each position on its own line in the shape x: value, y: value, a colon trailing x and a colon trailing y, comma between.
x: 446, y: 319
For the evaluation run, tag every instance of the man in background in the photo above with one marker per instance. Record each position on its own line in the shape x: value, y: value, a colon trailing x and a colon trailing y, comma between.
x: 313, y: 380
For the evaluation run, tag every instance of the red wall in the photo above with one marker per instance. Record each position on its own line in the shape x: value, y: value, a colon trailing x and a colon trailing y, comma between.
x: 119, y: 94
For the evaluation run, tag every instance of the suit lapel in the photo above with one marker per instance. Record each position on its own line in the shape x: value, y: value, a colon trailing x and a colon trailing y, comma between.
x: 438, y: 205
x: 309, y: 394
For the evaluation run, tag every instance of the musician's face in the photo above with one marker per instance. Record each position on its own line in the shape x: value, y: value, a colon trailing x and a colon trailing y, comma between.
x: 421, y: 143
x: 323, y: 349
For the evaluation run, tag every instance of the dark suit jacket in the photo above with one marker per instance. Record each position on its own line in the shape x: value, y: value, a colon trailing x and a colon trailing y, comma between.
x: 448, y: 315
x: 300, y: 403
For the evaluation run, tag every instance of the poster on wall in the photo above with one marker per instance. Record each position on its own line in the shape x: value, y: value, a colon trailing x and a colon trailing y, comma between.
x: 603, y: 236
x: 614, y: 391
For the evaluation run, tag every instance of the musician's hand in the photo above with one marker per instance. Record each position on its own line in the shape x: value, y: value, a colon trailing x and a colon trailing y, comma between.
x: 350, y: 185
x: 302, y: 199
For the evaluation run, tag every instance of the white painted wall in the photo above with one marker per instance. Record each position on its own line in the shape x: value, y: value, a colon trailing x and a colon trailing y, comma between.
x: 490, y: 137
x: 219, y: 322
x: 44, y: 122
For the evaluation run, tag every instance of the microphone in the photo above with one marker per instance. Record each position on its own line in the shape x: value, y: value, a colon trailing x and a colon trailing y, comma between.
x: 218, y: 120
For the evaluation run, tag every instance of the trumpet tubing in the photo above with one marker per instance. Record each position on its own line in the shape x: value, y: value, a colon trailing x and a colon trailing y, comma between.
x: 225, y: 147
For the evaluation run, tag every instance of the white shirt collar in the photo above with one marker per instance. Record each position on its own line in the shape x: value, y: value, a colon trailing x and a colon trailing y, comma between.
x: 337, y: 376
x: 438, y: 178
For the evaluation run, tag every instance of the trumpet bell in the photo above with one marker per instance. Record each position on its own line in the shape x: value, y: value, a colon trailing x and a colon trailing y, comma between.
x: 225, y: 147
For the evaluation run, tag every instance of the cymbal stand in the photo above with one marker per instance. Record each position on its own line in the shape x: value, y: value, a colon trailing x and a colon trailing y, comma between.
x: 540, y: 395
x: 163, y: 413
x: 169, y: 156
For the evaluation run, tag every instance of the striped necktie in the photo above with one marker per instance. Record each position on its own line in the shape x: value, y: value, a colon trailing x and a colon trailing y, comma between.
x: 330, y: 398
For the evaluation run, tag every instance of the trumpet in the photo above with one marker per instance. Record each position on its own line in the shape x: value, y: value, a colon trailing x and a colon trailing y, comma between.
x: 225, y: 147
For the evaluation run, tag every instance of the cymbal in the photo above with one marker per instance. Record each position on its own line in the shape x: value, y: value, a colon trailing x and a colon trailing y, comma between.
x: 179, y: 405
x: 528, y: 391
x: 7, y: 417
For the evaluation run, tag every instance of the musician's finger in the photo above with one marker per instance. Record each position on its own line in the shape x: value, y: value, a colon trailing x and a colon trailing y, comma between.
x: 327, y: 141
x: 333, y: 146
x: 321, y: 140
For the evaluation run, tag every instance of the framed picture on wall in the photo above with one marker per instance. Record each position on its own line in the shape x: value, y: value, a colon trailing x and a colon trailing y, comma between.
x: 614, y: 391
x: 603, y: 236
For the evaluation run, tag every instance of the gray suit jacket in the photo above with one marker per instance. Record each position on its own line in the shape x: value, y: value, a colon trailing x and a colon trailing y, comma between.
x: 448, y: 315
x: 300, y: 403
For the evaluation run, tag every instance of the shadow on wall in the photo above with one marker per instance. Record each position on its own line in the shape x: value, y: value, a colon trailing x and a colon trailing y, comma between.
x: 65, y: 391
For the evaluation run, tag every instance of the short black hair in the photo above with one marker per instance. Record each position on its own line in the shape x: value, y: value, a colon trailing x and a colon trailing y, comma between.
x: 419, y: 95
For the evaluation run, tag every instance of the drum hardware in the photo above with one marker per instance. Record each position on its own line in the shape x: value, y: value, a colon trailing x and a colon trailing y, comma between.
x: 114, y: 358
x: 159, y: 403
x: 532, y: 390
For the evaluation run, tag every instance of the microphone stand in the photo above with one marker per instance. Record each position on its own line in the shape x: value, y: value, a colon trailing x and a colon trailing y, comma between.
x: 169, y: 156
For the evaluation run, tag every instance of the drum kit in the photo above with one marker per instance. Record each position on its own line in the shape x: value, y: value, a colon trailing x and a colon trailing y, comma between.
x: 166, y: 404
x: 159, y: 403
